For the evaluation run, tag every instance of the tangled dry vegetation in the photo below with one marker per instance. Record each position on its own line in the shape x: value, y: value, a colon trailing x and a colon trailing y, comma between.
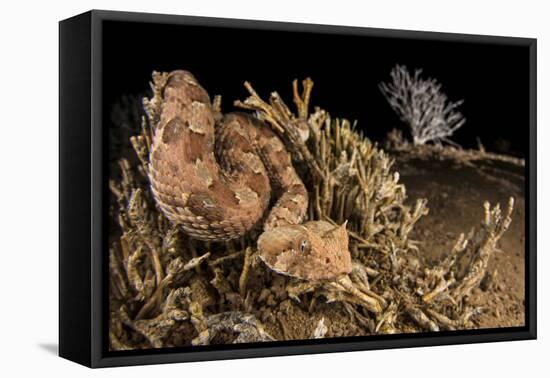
x: 168, y: 290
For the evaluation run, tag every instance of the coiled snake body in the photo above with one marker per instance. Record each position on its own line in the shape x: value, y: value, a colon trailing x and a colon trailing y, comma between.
x: 215, y: 175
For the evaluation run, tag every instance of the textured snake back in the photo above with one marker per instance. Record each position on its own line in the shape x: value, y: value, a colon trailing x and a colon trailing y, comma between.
x: 216, y: 179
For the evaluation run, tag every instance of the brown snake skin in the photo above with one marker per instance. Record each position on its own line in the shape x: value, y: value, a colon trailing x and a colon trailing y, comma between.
x: 215, y: 175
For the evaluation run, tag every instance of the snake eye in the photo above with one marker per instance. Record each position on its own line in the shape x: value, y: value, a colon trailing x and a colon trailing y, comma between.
x: 304, y: 245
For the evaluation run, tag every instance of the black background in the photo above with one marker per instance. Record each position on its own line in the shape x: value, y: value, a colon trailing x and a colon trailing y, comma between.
x: 493, y: 79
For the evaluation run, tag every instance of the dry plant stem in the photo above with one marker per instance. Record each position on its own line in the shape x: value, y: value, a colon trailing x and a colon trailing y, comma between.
x: 136, y: 207
x: 445, y: 266
x: 443, y: 321
x: 155, y: 298
x: 442, y: 286
x: 132, y: 272
x: 224, y: 259
x: 365, y: 322
x: 320, y: 330
x: 302, y: 100
x: 421, y: 318
x: 370, y: 303
x: 194, y: 254
x: 244, y: 273
x: 157, y: 265
x: 176, y: 267
x: 386, y: 317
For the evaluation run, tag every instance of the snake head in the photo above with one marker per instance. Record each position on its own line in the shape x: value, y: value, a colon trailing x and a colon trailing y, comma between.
x: 313, y: 251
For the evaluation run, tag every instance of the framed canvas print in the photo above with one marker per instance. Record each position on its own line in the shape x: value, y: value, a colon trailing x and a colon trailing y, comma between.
x: 234, y: 188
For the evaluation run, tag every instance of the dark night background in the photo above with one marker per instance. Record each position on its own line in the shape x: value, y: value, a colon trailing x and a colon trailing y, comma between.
x: 493, y: 79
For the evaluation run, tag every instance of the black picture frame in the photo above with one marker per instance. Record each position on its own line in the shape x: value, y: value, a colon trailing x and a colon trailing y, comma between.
x: 83, y: 194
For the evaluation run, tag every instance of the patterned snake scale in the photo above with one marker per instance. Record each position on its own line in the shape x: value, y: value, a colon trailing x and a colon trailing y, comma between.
x: 215, y: 175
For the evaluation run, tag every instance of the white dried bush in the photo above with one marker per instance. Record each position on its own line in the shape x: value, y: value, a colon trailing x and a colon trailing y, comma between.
x: 422, y: 105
